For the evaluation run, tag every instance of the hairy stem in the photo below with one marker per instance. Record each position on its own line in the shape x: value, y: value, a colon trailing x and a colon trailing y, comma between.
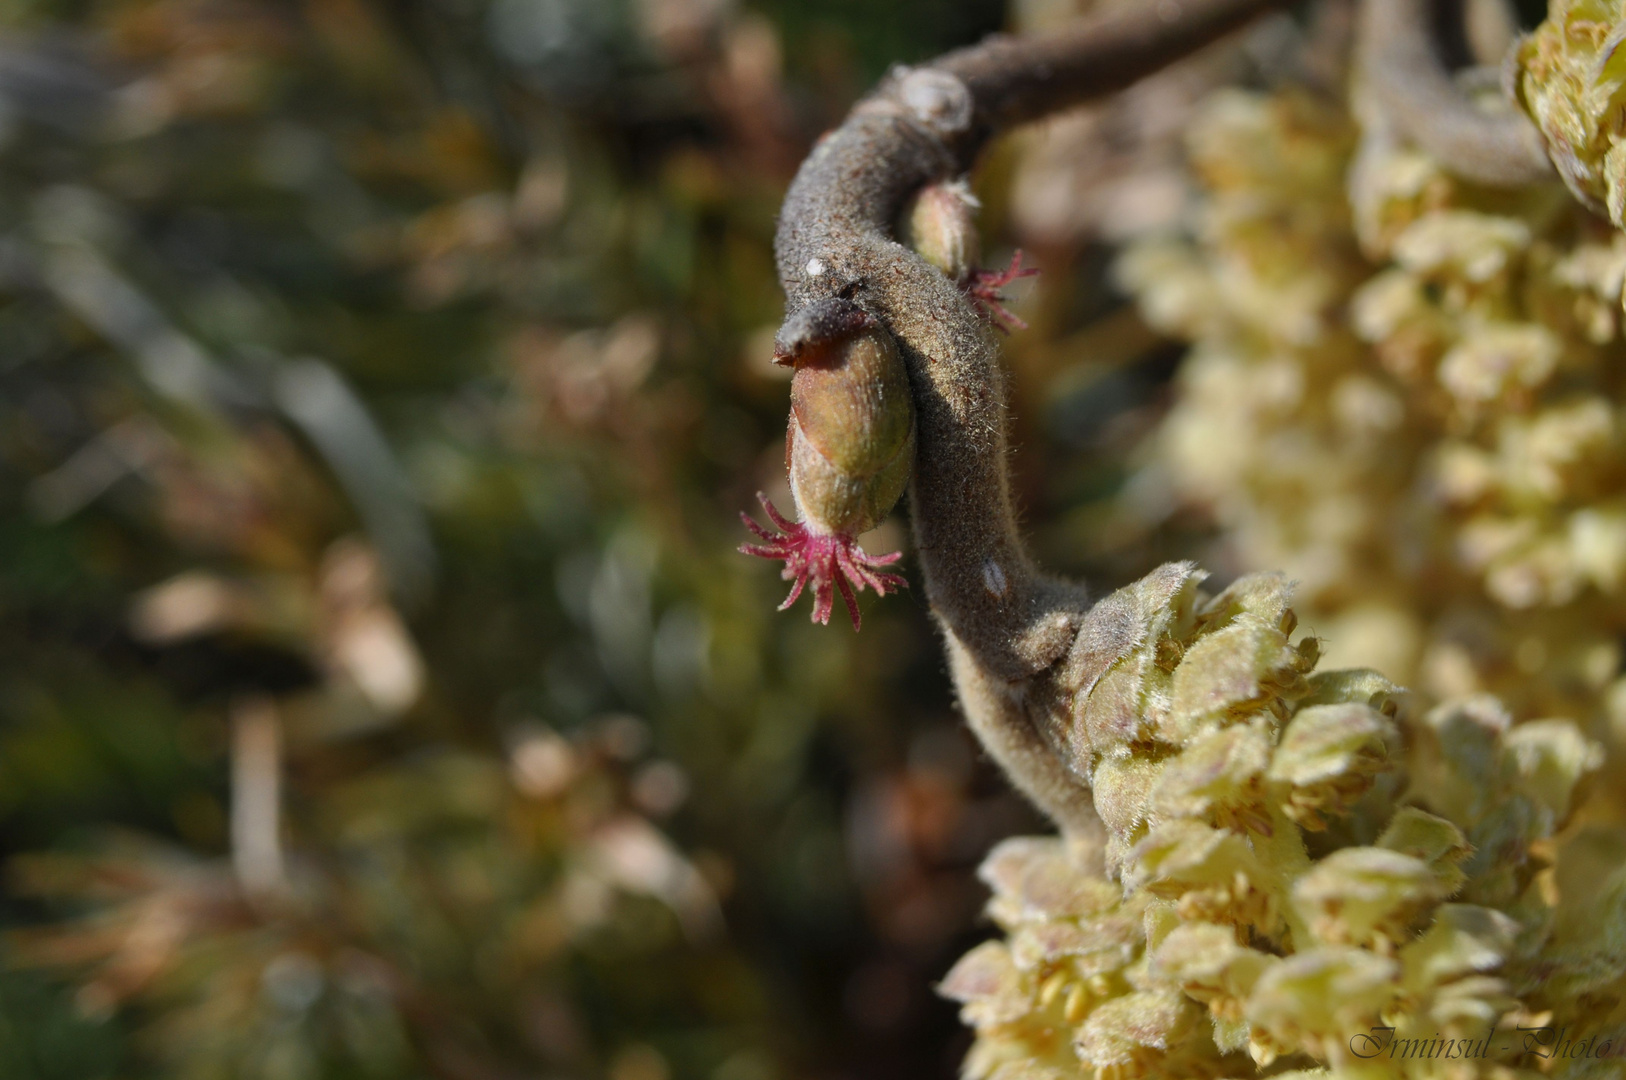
x: 1007, y: 623
x: 1403, y: 71
x: 1014, y: 80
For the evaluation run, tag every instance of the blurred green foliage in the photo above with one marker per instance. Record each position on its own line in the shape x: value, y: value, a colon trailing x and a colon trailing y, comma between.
x: 381, y: 383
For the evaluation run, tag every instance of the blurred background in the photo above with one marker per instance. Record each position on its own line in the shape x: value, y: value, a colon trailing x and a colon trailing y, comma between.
x: 380, y: 384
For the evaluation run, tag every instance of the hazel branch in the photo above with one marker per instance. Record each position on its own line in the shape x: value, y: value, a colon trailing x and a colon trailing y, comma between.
x: 1402, y: 69
x: 1007, y: 624
x: 1014, y: 80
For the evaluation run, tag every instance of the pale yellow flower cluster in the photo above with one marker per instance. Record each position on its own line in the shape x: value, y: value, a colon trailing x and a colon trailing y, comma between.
x: 1404, y: 391
x: 1298, y: 874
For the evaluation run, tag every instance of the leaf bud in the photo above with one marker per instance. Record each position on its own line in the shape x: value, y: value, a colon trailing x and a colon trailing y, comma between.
x: 849, y: 451
x: 940, y: 222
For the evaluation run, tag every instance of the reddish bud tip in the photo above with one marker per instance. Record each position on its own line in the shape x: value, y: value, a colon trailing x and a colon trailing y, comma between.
x: 983, y: 287
x: 829, y: 561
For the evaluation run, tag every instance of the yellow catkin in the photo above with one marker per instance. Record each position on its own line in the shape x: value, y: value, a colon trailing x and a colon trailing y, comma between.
x: 1405, y: 392
x: 1419, y: 907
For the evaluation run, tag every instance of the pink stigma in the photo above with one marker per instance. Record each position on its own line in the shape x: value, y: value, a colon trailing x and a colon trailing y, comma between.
x: 830, y: 561
x: 983, y: 286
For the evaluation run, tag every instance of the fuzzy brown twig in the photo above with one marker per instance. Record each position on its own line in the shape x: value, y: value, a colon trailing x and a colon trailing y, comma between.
x: 1009, y: 628
x: 1403, y: 72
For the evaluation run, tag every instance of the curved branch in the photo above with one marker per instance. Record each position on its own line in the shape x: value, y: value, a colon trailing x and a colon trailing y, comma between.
x: 1403, y: 71
x: 1014, y: 80
x: 1007, y: 624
